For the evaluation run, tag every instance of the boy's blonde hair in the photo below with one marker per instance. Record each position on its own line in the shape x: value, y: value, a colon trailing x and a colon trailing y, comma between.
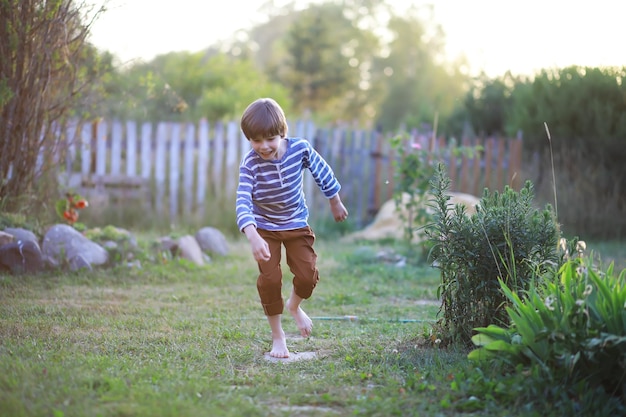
x: 264, y: 118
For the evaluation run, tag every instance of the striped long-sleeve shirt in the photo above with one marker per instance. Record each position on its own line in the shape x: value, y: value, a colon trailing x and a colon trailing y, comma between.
x: 270, y: 194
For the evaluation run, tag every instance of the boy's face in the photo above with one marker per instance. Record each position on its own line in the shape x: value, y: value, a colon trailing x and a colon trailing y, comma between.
x: 267, y: 148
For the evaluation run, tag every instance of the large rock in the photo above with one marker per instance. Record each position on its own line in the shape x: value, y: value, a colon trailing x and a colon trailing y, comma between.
x: 21, y: 257
x: 6, y: 238
x: 190, y: 249
x: 388, y: 222
x: 213, y: 241
x: 22, y: 234
x: 63, y: 243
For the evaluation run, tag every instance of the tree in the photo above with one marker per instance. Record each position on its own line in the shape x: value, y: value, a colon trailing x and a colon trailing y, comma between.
x: 183, y: 86
x: 417, y: 83
x: 321, y: 64
x: 42, y: 77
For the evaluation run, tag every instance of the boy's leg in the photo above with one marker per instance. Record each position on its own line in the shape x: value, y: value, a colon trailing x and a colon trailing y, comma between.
x: 269, y: 284
x: 301, y: 259
x: 270, y: 279
x: 279, y: 342
x: 303, y: 321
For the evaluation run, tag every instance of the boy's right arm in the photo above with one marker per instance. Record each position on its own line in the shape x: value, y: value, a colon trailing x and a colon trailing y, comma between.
x: 260, y: 248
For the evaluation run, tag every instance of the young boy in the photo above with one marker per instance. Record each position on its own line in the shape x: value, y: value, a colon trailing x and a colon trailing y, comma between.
x: 271, y: 211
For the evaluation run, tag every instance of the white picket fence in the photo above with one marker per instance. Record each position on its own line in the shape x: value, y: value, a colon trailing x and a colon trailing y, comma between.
x: 174, y: 167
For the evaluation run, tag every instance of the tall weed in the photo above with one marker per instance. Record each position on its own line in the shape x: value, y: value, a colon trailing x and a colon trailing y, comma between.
x: 506, y: 239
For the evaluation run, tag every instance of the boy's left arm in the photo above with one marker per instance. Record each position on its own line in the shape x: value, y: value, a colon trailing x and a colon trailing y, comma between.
x: 340, y: 213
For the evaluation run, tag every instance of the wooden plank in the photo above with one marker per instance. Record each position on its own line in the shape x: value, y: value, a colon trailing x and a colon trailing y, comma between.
x: 358, y: 174
x: 203, y: 166
x: 488, y: 162
x: 218, y: 160
x: 116, y: 148
x: 372, y: 159
x: 160, y: 166
x: 515, y: 163
x: 101, y: 148
x: 188, y: 168
x: 131, y: 148
x: 501, y: 172
x: 71, y: 133
x: 232, y: 167
x: 476, y: 165
x: 146, y: 150
x: 174, y: 162
x: 452, y: 168
x: 85, y: 149
x: 465, y: 178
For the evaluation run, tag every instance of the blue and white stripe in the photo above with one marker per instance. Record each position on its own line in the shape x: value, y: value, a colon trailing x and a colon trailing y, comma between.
x: 270, y: 194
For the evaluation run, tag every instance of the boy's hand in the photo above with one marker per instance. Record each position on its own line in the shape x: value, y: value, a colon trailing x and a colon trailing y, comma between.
x: 260, y: 248
x: 339, y: 210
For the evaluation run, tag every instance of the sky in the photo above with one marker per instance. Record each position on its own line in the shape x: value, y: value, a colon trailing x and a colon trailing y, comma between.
x: 494, y: 35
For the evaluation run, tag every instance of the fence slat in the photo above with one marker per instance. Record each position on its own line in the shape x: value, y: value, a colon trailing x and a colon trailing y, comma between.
x: 218, y: 160
x: 159, y: 166
x: 203, y: 165
x: 174, y: 170
x: 101, y: 149
x: 116, y: 148
x: 146, y: 150
x: 85, y: 149
x: 188, y: 165
x: 131, y: 148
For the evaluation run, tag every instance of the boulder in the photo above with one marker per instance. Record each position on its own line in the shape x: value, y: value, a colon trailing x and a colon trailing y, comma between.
x: 62, y: 243
x: 21, y: 257
x: 22, y: 234
x: 213, y: 241
x: 388, y: 223
x: 6, y: 238
x: 190, y: 249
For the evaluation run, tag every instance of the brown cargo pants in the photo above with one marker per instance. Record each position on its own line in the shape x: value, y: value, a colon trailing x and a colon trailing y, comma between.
x: 301, y: 259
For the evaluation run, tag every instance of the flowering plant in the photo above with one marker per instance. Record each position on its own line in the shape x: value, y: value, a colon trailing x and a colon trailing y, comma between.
x: 68, y: 207
x: 572, y: 327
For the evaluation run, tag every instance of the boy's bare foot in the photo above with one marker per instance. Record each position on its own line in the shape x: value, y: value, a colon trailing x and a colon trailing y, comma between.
x: 279, y: 342
x: 279, y: 347
x: 303, y: 321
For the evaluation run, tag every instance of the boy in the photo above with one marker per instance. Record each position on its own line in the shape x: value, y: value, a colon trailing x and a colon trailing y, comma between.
x: 271, y: 211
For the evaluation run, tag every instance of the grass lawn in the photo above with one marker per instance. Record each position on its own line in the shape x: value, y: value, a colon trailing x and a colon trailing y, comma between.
x: 179, y: 340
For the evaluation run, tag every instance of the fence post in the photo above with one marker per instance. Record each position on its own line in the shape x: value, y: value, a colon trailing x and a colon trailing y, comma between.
x: 203, y: 165
x: 188, y: 164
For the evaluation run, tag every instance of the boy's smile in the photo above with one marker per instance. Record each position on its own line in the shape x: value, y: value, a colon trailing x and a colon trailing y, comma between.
x: 269, y: 149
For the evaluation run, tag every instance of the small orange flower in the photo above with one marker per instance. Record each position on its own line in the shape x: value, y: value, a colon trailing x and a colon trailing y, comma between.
x: 81, y: 204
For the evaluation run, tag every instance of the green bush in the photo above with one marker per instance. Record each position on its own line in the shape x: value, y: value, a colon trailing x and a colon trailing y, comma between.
x: 572, y: 330
x: 506, y: 239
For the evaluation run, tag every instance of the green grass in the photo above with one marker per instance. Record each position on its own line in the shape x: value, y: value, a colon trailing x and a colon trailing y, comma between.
x: 179, y: 340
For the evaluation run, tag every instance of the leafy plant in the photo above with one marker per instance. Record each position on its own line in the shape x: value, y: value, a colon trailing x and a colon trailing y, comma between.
x: 414, y: 170
x: 67, y: 208
x: 507, y: 240
x: 571, y: 329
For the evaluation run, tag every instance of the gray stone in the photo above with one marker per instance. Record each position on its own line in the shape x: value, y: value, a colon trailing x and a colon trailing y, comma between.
x: 6, y: 238
x: 212, y: 240
x: 22, y: 234
x: 21, y: 257
x: 79, y: 262
x: 63, y: 242
x: 189, y: 249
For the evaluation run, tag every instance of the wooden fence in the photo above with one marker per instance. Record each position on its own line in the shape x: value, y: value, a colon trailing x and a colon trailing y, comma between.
x: 175, y: 169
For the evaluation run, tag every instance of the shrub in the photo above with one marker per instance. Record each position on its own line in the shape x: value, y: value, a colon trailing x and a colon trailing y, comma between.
x: 571, y: 330
x: 506, y: 239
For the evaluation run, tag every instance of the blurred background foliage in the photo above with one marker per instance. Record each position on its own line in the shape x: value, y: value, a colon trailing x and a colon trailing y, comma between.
x: 341, y: 63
